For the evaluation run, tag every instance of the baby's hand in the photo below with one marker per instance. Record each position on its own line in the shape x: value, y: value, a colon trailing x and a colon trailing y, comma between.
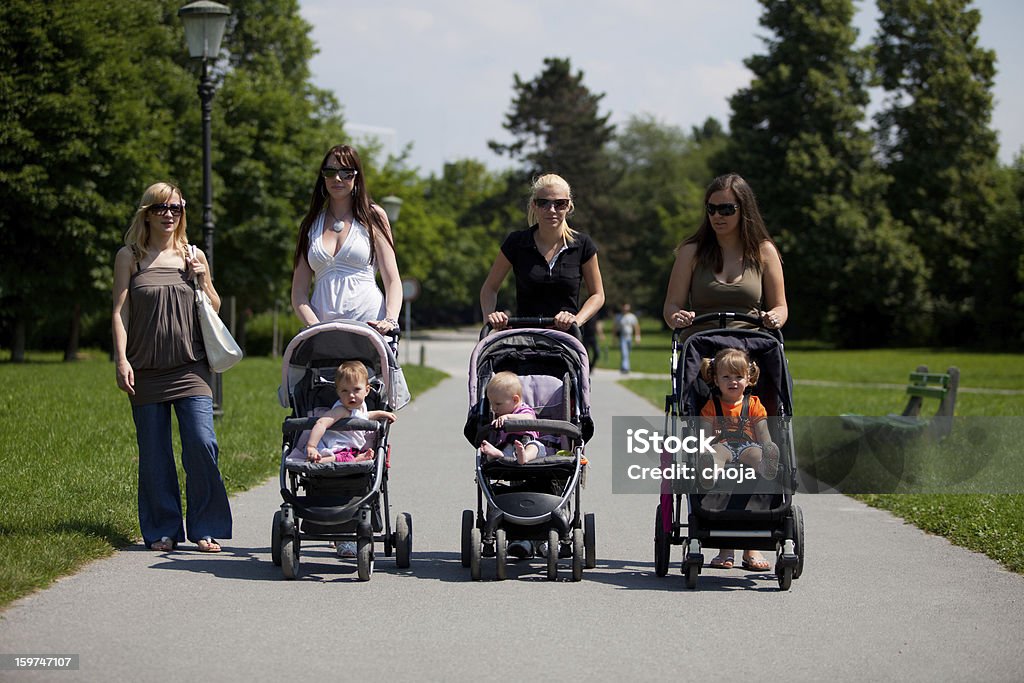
x: 313, y: 455
x: 499, y: 421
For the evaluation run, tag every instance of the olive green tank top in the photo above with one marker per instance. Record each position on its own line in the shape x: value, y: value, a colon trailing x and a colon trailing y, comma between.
x: 165, y: 342
x: 708, y: 294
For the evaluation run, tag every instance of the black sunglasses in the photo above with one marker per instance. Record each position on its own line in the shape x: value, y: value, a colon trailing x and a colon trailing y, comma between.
x: 722, y: 209
x: 559, y: 204
x: 175, y: 209
x: 334, y: 172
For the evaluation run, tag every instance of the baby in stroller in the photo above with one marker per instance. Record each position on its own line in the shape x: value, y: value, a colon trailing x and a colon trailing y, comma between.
x: 352, y: 382
x: 736, y: 416
x: 504, y: 392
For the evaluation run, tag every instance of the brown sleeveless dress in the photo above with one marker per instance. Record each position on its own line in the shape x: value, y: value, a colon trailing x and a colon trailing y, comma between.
x: 708, y: 294
x: 165, y: 342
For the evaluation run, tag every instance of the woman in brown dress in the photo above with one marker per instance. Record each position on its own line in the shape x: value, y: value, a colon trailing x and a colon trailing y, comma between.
x: 730, y: 264
x: 161, y: 363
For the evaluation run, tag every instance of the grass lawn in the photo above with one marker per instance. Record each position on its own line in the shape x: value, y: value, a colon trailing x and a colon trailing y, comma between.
x: 69, y: 461
x: 992, y: 524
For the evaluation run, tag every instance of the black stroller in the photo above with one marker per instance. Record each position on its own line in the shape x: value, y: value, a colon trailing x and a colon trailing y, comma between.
x: 765, y: 521
x: 540, y: 500
x: 337, y: 501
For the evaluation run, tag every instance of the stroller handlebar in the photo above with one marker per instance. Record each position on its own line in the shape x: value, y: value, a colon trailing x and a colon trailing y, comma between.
x: 723, y: 319
x: 532, y: 321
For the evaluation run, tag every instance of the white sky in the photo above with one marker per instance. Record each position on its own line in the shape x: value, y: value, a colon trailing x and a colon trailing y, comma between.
x: 439, y: 73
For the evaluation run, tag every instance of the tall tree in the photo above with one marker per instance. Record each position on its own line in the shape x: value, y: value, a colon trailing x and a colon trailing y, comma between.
x: 796, y: 136
x: 662, y: 172
x: 937, y: 143
x: 88, y: 93
x: 557, y: 127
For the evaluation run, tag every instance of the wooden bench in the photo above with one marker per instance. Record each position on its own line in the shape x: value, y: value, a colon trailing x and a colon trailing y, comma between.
x: 941, y: 386
x: 922, y: 385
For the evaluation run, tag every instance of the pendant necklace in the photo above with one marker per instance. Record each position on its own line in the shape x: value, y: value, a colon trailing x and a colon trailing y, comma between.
x: 338, y: 224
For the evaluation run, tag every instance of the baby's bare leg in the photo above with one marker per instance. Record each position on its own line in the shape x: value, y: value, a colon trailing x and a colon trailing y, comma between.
x: 525, y: 454
x: 490, y: 451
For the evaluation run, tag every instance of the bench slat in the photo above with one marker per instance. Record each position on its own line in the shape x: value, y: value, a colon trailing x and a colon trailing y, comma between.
x: 926, y: 392
x: 929, y: 378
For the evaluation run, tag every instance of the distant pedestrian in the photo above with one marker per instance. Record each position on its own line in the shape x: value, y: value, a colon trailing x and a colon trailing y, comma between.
x: 628, y: 328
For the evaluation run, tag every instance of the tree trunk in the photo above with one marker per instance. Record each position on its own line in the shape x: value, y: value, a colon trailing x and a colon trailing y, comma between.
x: 74, y: 334
x: 18, y: 343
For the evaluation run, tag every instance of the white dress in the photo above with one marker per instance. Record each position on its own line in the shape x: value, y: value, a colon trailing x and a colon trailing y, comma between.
x: 345, y: 284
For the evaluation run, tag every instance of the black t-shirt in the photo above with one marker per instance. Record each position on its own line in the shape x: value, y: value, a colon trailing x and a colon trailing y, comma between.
x: 542, y: 291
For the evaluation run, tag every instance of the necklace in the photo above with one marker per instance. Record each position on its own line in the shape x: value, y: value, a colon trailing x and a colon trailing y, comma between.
x: 338, y: 224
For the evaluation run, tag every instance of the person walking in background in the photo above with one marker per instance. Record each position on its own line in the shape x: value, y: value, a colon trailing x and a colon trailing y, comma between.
x: 344, y: 239
x: 628, y: 328
x: 550, y: 261
x: 161, y: 364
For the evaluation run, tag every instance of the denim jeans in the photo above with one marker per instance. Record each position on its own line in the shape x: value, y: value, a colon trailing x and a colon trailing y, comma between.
x: 208, y: 513
x: 625, y: 346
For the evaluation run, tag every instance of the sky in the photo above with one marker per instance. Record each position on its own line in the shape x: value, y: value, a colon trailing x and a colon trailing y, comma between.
x: 439, y: 74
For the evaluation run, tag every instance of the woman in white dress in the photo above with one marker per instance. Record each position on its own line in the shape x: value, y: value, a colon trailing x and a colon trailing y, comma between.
x: 344, y: 239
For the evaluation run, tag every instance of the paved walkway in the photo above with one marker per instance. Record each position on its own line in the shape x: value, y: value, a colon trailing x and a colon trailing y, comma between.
x: 879, y: 600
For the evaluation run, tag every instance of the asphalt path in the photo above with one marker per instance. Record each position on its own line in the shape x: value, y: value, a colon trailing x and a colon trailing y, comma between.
x: 878, y: 599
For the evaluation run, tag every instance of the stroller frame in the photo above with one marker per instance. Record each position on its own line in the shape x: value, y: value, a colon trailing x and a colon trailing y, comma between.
x: 342, y: 501
x: 780, y: 528
x: 518, y: 509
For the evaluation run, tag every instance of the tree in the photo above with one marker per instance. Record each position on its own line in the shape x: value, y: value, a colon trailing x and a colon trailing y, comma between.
x: 662, y: 173
x: 936, y: 142
x: 796, y: 137
x: 88, y: 94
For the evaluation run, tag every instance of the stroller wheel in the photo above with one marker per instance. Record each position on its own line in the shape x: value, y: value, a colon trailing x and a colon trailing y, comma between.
x: 692, y: 572
x: 467, y: 542
x: 552, y: 555
x: 475, y: 541
x: 785, y: 577
x: 275, y: 540
x: 662, y: 546
x: 500, y: 555
x: 290, y: 557
x: 589, y: 541
x: 578, y: 551
x: 403, y: 540
x: 798, y: 526
x: 364, y: 558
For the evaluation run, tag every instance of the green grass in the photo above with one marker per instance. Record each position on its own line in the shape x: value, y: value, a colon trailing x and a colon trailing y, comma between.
x: 991, y: 524
x: 69, y: 461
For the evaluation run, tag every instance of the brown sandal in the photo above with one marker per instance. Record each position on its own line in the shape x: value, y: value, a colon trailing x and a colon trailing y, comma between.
x: 208, y: 545
x: 164, y: 545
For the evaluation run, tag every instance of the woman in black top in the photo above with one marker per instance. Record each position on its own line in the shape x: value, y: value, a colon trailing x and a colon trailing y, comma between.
x: 549, y: 260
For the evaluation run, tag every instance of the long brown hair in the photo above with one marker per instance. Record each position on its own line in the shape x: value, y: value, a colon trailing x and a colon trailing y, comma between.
x: 752, y: 229
x: 362, y: 204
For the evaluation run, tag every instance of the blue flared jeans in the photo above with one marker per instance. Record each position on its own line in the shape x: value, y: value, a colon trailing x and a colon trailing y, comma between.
x: 625, y: 347
x: 206, y: 500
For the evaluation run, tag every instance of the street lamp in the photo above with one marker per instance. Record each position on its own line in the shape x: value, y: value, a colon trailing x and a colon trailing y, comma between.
x: 204, y: 23
x: 392, y: 206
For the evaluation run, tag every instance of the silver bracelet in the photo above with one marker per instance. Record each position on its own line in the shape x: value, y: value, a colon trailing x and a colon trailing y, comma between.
x: 392, y: 321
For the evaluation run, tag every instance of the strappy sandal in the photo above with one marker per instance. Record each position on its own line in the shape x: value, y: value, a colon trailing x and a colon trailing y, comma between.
x: 756, y: 564
x: 207, y: 544
x: 165, y: 545
x: 721, y: 561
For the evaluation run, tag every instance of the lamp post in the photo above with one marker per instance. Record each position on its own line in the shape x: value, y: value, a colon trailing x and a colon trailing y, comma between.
x: 392, y: 207
x: 204, y: 23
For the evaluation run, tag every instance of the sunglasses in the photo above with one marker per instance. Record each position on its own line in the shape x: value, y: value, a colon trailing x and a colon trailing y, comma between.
x: 559, y: 204
x: 175, y: 209
x: 722, y: 209
x: 329, y: 172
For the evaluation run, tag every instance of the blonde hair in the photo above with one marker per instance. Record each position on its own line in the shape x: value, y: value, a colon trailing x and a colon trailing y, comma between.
x: 544, y: 181
x: 507, y: 382
x: 351, y: 371
x: 136, y: 237
x: 734, y: 360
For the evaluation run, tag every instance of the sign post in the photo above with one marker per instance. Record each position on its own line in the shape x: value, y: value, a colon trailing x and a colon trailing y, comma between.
x: 410, y: 290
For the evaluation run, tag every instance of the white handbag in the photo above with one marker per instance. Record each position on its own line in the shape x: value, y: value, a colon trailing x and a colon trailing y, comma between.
x: 222, y: 351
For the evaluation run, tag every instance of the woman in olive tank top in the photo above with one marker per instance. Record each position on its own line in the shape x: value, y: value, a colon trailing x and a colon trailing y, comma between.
x: 161, y: 363
x: 730, y: 264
